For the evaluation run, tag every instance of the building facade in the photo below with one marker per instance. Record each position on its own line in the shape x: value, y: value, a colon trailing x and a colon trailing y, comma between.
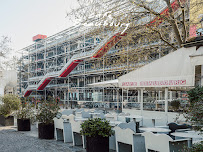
x: 63, y: 65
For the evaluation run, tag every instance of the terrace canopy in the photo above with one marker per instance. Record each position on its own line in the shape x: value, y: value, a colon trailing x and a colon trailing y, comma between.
x: 110, y: 83
x: 197, y: 57
x: 173, y: 71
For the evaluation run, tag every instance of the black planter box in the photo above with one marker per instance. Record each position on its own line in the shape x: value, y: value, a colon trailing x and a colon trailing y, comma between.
x: 46, y: 131
x: 97, y: 144
x: 23, y: 124
x: 6, y: 121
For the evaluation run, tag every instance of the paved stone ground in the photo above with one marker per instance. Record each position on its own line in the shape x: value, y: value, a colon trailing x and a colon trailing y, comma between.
x: 12, y: 140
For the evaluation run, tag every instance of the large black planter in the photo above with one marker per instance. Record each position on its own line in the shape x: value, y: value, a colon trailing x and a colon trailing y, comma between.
x: 46, y: 131
x: 97, y: 144
x: 6, y: 121
x: 23, y: 124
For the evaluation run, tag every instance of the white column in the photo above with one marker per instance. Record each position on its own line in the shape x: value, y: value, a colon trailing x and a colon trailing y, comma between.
x: 68, y: 93
x: 122, y: 99
x: 45, y: 94
x: 201, y: 80
x: 138, y: 96
x: 55, y: 93
x: 171, y: 96
x: 117, y: 98
x: 156, y: 101
x: 65, y: 97
x: 141, y: 99
x: 166, y: 103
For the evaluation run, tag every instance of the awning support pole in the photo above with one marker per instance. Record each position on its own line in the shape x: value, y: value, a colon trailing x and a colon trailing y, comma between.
x: 141, y: 104
x: 201, y: 80
x: 122, y: 99
x: 138, y: 97
x: 117, y: 98
x: 166, y: 104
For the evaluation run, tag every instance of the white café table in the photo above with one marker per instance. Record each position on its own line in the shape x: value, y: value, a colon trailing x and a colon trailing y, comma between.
x: 189, y: 134
x: 155, y: 130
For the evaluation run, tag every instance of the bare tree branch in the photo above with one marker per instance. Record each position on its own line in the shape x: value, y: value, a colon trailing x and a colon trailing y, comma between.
x: 173, y: 23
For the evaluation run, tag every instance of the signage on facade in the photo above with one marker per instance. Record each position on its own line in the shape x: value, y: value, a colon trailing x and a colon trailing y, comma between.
x: 155, y: 83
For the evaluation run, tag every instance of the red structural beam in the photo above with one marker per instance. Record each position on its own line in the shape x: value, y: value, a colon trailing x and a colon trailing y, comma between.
x: 70, y: 68
x: 45, y: 83
x: 108, y: 45
x: 174, y: 6
x: 28, y: 92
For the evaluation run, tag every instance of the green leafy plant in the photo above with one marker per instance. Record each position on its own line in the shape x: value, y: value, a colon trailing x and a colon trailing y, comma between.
x: 195, y: 109
x: 26, y: 110
x: 96, y: 127
x: 175, y: 104
x: 10, y: 104
x: 47, y: 110
x: 197, y: 147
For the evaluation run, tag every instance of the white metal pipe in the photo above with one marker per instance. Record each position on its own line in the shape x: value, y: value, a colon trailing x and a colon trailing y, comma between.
x: 141, y: 104
x: 166, y: 103
x: 122, y: 99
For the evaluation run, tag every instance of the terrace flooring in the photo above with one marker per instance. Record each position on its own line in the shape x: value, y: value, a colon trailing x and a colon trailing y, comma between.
x: 12, y: 140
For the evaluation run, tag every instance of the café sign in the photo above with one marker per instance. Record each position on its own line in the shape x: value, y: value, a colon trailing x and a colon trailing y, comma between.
x: 155, y: 83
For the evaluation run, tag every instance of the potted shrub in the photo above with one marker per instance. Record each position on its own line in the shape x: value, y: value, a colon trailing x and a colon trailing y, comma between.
x: 97, y: 132
x: 47, y: 110
x: 10, y: 103
x: 175, y: 104
x: 24, y: 115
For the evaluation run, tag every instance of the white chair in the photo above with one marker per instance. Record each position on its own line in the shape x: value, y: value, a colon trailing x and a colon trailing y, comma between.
x: 86, y: 114
x: 79, y: 110
x: 111, y: 117
x: 131, y: 125
x: 100, y: 115
x: 76, y: 137
x: 63, y: 129
x: 67, y: 112
x: 98, y: 111
x: 78, y: 114
x: 121, y: 117
x: 112, y: 139
x: 163, y: 142
x: 125, y: 137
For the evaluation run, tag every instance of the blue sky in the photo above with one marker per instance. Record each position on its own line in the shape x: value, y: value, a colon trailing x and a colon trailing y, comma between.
x: 22, y: 19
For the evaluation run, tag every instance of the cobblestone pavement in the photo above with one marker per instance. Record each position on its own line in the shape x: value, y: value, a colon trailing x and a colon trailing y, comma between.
x: 12, y: 140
